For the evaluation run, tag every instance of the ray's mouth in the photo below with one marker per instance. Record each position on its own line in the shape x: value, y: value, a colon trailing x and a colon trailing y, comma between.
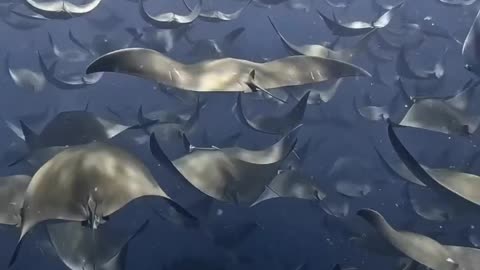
x: 94, y: 220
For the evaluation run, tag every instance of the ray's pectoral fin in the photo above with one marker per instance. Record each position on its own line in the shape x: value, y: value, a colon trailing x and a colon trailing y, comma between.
x: 19, y: 160
x: 160, y: 156
x: 31, y: 138
x: 143, y: 121
x: 16, y: 251
x: 188, y: 218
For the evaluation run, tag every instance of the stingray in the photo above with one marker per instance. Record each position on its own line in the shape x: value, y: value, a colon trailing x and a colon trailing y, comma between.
x: 102, y: 43
x: 418, y: 247
x: 61, y: 9
x: 352, y: 189
x: 218, y: 16
x: 457, y: 2
x: 323, y: 51
x: 347, y: 167
x: 372, y: 113
x: 358, y: 28
x: 344, y: 30
x: 168, y: 125
x: 270, y: 155
x: 382, y: 113
x: 28, y: 15
x: 211, y: 48
x: 460, y: 189
x: 162, y: 117
x: 437, y: 114
x: 162, y: 40
x: 12, y: 191
x: 432, y: 29
x: 169, y: 20
x: 233, y: 175
x: 417, y: 39
x: 86, y: 183
x: 22, y: 25
x: 273, y: 124
x: 88, y: 48
x: 25, y: 78
x: 292, y: 184
x: 65, y: 129
x: 428, y: 204
x: 71, y: 84
x: 223, y: 75
x: 81, y: 248
x: 18, y: 22
x: 70, y: 55
x: 461, y: 100
x: 405, y: 69
x: 470, y: 47
x: 69, y: 128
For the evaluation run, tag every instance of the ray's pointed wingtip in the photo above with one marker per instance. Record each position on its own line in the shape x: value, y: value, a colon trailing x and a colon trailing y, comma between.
x: 337, y: 267
x: 101, y: 64
x: 368, y: 214
x: 359, y: 71
x: 366, y: 73
x: 14, y: 256
x: 320, y: 13
x: 270, y: 19
x: 363, y: 211
x: 157, y: 150
x: 153, y: 141
x: 92, y: 67
x: 391, y: 124
x: 108, y: 61
x: 306, y: 96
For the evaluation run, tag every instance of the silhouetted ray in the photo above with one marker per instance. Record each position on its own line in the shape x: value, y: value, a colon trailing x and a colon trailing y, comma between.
x: 231, y: 75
